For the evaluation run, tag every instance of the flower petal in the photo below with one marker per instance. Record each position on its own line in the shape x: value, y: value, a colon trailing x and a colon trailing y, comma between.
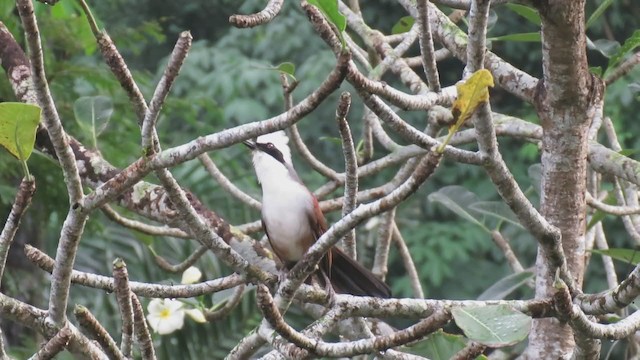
x: 191, y: 275
x: 196, y: 315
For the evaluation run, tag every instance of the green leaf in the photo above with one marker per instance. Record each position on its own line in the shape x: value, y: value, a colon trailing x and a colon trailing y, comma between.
x: 629, y: 45
x: 438, y: 346
x: 522, y: 37
x: 94, y: 111
x: 494, y: 325
x: 459, y: 200
x: 608, y: 48
x: 497, y: 209
x: 629, y: 256
x: 287, y: 68
x: 596, y: 70
x: 596, y: 14
x: 18, y: 124
x: 403, y: 25
x: 330, y: 10
x: 628, y: 152
x: 506, y: 286
x: 526, y: 12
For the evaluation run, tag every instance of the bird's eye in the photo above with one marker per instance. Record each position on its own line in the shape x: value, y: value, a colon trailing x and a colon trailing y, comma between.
x: 270, y: 146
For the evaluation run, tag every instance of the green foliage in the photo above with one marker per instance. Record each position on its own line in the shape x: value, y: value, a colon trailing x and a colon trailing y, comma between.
x: 507, y: 285
x: 492, y: 325
x: 330, y: 10
x: 403, y: 25
x: 440, y: 346
x: 93, y: 114
x: 526, y: 12
x: 18, y: 124
x: 629, y: 256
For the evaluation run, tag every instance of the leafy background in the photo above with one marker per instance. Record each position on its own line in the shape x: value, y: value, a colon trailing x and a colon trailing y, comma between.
x: 226, y: 82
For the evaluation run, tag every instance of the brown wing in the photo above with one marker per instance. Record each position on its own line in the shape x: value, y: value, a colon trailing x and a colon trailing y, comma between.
x: 273, y: 248
x: 318, y: 227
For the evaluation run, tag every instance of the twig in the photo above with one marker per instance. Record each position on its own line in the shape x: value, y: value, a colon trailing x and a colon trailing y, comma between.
x: 476, y: 47
x: 54, y: 346
x: 22, y: 201
x: 509, y: 255
x: 143, y: 289
x: 150, y: 143
x: 247, y: 346
x: 123, y: 297
x: 91, y: 325
x: 201, y: 231
x: 623, y: 69
x: 143, y: 336
x: 471, y: 351
x: 607, y: 262
x: 426, y: 46
x: 226, y: 184
x: 142, y: 227
x: 351, y: 348
x: 385, y: 232
x: 296, y: 139
x: 409, y: 265
x: 231, y: 303
x: 351, y: 169
x: 260, y: 18
x: 182, y: 266
x: 50, y: 116
x: 612, y: 209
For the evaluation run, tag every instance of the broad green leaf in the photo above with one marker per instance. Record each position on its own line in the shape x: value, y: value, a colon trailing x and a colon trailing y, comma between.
x: 629, y: 256
x: 438, y: 346
x: 288, y: 68
x: 596, y: 14
x: 330, y: 10
x: 18, y: 124
x: 526, y: 12
x: 459, y: 200
x: 94, y: 113
x: 497, y: 209
x: 506, y: 286
x: 403, y: 25
x: 629, y: 45
x: 522, y: 37
x: 607, y: 48
x: 494, y: 325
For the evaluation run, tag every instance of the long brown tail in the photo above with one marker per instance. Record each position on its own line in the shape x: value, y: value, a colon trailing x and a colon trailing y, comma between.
x: 349, y: 277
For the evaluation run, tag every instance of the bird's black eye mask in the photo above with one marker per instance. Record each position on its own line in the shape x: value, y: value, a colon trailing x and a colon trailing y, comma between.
x: 269, y: 148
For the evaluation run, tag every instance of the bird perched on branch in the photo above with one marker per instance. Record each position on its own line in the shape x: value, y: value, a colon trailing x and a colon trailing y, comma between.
x: 293, y: 221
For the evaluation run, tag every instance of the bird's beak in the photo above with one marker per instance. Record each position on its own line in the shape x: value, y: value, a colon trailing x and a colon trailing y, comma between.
x: 250, y: 144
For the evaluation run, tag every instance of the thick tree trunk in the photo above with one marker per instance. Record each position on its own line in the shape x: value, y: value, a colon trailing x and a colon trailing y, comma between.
x: 565, y: 102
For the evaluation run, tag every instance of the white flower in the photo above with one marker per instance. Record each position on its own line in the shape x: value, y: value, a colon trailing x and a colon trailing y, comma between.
x: 196, y: 315
x: 165, y: 315
x: 191, y: 275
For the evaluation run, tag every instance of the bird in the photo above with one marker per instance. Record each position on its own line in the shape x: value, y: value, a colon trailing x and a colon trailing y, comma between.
x: 293, y: 221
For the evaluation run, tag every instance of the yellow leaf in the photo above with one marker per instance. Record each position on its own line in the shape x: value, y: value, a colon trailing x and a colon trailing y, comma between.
x: 18, y: 124
x: 471, y: 94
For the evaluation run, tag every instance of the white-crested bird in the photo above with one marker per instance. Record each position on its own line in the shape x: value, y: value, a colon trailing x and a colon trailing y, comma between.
x: 293, y: 221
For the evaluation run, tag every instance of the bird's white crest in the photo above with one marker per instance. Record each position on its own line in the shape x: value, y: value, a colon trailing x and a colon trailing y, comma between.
x: 280, y: 140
